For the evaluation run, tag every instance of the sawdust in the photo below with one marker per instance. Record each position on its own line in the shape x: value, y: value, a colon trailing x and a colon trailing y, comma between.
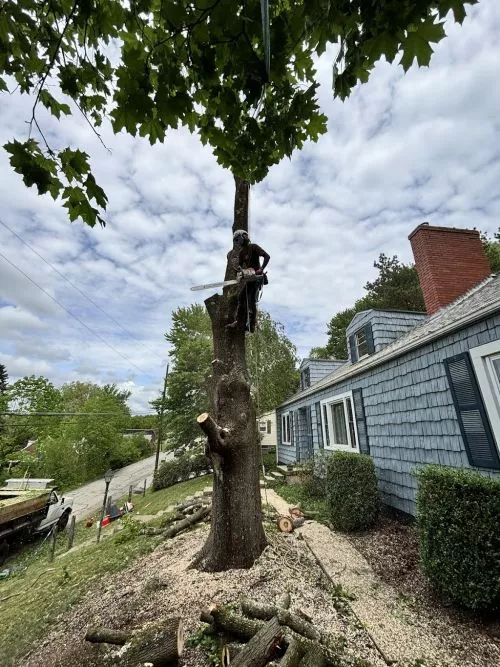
x: 162, y: 585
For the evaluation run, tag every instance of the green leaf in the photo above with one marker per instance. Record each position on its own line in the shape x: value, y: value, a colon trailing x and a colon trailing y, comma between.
x: 56, y: 108
x: 3, y: 86
x: 95, y: 192
x: 415, y: 46
x: 458, y: 7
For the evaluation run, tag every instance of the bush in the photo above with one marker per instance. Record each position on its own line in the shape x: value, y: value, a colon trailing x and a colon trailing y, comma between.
x: 180, y: 469
x: 458, y: 514
x: 351, y: 486
x: 314, y: 475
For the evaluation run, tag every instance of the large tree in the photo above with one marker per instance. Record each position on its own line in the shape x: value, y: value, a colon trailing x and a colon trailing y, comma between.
x: 203, y: 64
x: 271, y: 362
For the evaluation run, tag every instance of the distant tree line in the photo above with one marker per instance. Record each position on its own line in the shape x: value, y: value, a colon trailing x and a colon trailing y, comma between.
x: 70, y: 449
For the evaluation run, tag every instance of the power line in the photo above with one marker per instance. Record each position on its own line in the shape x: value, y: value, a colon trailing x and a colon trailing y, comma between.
x: 94, y: 333
x: 59, y: 273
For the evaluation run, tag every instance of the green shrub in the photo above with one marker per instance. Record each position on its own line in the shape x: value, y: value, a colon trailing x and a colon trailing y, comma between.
x: 458, y: 515
x: 269, y: 459
x: 180, y: 469
x: 351, y: 486
x: 314, y: 475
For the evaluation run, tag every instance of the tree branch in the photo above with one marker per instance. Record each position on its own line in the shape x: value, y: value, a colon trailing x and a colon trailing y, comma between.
x: 215, y: 434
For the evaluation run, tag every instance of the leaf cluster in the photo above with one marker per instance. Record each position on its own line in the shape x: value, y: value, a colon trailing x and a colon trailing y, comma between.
x: 154, y: 65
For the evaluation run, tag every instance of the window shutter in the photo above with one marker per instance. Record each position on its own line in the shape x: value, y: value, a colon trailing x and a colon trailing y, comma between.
x: 369, y: 338
x: 352, y: 347
x: 317, y: 408
x: 474, y: 425
x: 359, y: 415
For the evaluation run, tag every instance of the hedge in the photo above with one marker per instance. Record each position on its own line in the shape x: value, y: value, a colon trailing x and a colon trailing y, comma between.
x: 458, y: 514
x: 352, y: 492
x: 180, y: 470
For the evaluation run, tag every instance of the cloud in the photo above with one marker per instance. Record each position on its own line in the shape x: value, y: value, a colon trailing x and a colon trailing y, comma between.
x: 402, y: 149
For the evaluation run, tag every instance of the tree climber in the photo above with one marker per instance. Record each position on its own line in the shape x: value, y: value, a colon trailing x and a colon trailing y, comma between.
x: 248, y: 257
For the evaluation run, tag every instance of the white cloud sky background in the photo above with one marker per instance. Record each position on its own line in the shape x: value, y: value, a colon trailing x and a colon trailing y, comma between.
x: 400, y: 150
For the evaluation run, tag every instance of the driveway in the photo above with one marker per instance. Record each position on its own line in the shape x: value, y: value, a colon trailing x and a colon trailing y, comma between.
x: 87, y: 499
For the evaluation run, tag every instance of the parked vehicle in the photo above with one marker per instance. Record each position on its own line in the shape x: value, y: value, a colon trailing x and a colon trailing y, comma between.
x: 28, y: 507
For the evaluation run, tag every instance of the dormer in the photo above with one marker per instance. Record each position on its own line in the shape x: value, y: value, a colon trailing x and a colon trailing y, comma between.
x: 313, y: 370
x: 372, y: 330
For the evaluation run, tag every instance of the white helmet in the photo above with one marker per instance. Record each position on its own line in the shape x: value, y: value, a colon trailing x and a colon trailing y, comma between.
x: 239, y: 233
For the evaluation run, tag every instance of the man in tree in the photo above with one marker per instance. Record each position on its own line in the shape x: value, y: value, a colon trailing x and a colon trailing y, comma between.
x: 246, y: 255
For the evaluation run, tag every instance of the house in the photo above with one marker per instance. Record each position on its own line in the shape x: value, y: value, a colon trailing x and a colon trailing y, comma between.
x: 418, y: 388
x: 267, y: 429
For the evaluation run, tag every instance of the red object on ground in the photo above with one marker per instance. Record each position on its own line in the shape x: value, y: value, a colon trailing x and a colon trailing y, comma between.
x: 105, y: 521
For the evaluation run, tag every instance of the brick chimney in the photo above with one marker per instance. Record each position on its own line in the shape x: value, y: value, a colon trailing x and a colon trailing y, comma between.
x: 449, y: 263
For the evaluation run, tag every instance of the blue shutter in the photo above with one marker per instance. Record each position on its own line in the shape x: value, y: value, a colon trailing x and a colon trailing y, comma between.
x: 474, y: 425
x: 359, y: 415
x: 369, y: 338
x: 352, y: 347
x: 317, y: 408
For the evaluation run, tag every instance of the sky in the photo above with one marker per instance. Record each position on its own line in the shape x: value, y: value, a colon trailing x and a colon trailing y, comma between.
x: 403, y: 149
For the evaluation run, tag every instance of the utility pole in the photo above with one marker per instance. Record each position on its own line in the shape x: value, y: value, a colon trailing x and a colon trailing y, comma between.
x: 160, y: 420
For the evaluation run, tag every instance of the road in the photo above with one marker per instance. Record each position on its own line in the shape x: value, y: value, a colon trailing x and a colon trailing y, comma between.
x: 89, y: 498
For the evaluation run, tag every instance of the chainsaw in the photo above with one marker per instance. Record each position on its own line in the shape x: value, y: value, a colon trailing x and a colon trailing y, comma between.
x: 248, y: 275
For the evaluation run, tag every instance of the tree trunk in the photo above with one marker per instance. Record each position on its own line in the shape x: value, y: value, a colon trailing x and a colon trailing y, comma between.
x: 236, y: 535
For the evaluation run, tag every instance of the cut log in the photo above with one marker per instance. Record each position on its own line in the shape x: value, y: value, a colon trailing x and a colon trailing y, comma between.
x: 185, y: 523
x: 229, y: 653
x: 294, y: 621
x: 285, y: 524
x: 228, y: 621
x: 261, y: 647
x: 295, y: 511
x: 98, y: 635
x: 160, y: 646
x: 313, y: 658
x: 332, y: 658
x: 214, y: 433
x: 293, y: 653
x: 298, y: 522
x: 284, y: 601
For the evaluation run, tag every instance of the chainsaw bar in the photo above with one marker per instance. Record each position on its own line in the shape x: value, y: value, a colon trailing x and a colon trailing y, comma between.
x: 225, y: 283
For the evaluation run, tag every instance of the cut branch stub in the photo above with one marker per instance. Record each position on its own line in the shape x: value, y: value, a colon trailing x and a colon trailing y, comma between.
x: 97, y: 635
x: 214, y: 433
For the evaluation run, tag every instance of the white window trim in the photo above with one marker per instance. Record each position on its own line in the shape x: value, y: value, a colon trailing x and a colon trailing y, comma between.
x: 340, y: 398
x: 491, y: 398
x: 356, y: 343
x: 283, y: 428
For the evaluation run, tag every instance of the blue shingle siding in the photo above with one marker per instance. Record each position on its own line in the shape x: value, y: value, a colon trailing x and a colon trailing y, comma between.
x: 410, y: 414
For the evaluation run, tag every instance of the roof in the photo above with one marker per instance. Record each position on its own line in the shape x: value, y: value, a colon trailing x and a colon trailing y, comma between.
x: 336, y: 361
x: 481, y: 301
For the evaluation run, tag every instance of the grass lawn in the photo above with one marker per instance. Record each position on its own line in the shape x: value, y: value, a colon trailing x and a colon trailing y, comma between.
x: 49, y: 589
x: 295, y: 494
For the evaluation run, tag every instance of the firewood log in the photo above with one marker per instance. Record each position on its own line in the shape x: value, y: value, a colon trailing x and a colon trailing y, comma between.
x: 263, y: 611
x: 98, y: 635
x: 233, y: 624
x: 285, y: 524
x: 261, y: 647
x: 313, y: 658
x: 188, y: 521
x: 160, y: 645
x: 298, y: 522
x: 293, y: 653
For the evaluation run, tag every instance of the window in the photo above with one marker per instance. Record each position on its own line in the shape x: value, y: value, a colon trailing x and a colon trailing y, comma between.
x: 262, y: 427
x: 339, y: 426
x: 269, y: 427
x: 486, y: 362
x: 286, y: 436
x: 361, y: 344
x: 305, y: 378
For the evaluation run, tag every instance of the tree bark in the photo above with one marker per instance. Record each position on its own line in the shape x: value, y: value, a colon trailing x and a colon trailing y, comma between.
x: 313, y: 658
x: 160, y: 645
x: 261, y: 647
x: 107, y: 636
x: 293, y: 653
x: 236, y: 537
